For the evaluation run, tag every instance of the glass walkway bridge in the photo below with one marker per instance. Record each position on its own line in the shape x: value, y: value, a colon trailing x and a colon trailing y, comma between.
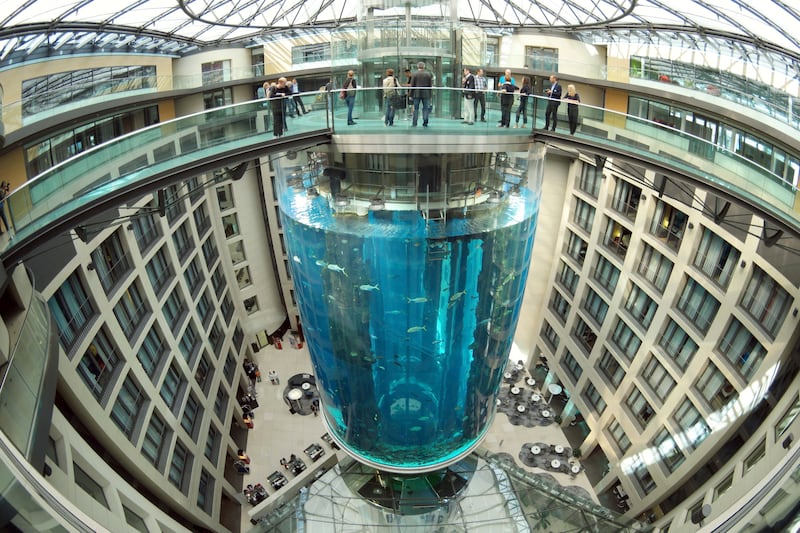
x: 152, y: 158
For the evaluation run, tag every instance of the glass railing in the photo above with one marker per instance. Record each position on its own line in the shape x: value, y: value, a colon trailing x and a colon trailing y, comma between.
x: 135, y: 161
x: 23, y: 376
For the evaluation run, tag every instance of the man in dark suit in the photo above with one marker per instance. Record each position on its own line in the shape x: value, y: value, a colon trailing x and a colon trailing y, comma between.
x: 554, y: 92
x: 421, y: 82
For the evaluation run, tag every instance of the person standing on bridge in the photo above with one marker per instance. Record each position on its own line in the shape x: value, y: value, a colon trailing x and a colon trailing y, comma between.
x: 573, y: 99
x: 4, y: 190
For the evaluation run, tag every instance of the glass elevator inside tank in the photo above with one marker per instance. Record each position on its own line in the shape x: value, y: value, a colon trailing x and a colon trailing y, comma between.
x: 409, y: 279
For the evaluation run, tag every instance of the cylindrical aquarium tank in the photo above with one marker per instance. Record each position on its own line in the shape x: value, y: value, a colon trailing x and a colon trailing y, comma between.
x: 409, y: 298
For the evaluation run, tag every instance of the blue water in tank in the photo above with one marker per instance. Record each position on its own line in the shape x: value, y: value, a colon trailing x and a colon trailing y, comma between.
x: 409, y: 323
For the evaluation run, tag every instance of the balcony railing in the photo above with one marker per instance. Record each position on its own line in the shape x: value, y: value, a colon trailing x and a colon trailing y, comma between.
x: 129, y: 163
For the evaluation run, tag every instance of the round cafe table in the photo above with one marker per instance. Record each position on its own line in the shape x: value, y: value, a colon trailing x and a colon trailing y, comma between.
x: 530, y: 381
x: 497, y: 402
x: 554, y: 389
x: 294, y: 394
x: 559, y: 449
x: 521, y: 408
x: 519, y: 367
x: 535, y: 450
x: 555, y: 463
x: 546, y: 413
x: 507, y: 375
x: 535, y: 397
x: 306, y: 385
x: 514, y: 390
x: 576, y: 469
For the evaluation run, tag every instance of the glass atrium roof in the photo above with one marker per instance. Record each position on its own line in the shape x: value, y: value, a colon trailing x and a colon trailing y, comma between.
x: 761, y: 31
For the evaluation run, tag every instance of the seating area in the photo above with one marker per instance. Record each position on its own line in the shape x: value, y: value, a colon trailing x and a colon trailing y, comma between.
x: 550, y: 457
x: 294, y: 465
x: 522, y: 401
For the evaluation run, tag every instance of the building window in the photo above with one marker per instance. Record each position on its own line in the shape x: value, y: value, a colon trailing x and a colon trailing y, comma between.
x: 642, y: 474
x: 559, y: 305
x: 226, y: 307
x: 72, y: 311
x: 640, y: 407
x: 218, y: 280
x: 668, y: 224
x: 229, y: 370
x: 110, y: 262
x: 606, y: 274
x: 134, y: 520
x: 221, y: 403
x: 193, y: 275
x: 212, y: 444
x: 192, y: 415
x: 159, y: 271
x: 201, y: 220
x: 189, y: 344
x: 225, y: 197
x: 174, y: 309
x: 568, y: 278
x: 595, y: 306
x: 657, y: 377
x: 625, y: 340
x: 641, y: 307
x: 179, y: 467
x: 216, y: 71
x: 205, y: 491
x: 172, y: 386
x: 203, y: 374
x: 154, y: 439
x: 237, y: 252
x: 195, y: 187
x: 787, y: 418
x: 741, y: 348
x: 128, y: 406
x: 550, y: 336
x: 215, y: 337
x: 584, y: 335
x: 765, y: 301
x: 723, y: 487
x: 593, y: 399
x: 655, y: 268
x: 131, y: 311
x: 146, y: 230
x: 96, y: 367
x: 590, y: 180
x: 238, y: 338
x: 217, y: 98
x: 231, y: 225
x: 250, y: 305
x: 677, y: 344
x: 617, y: 238
x: 572, y: 366
x: 173, y: 203
x: 714, y: 387
x: 152, y: 351
x: 626, y: 198
x: 755, y: 456
x: 205, y: 309
x: 669, y: 452
x: 697, y: 305
x: 576, y: 248
x: 694, y: 427
x: 182, y: 239
x: 89, y: 485
x: 619, y: 437
x: 210, y: 252
x: 584, y: 215
x: 311, y: 53
x: 540, y: 58
x: 609, y: 366
x: 716, y: 258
